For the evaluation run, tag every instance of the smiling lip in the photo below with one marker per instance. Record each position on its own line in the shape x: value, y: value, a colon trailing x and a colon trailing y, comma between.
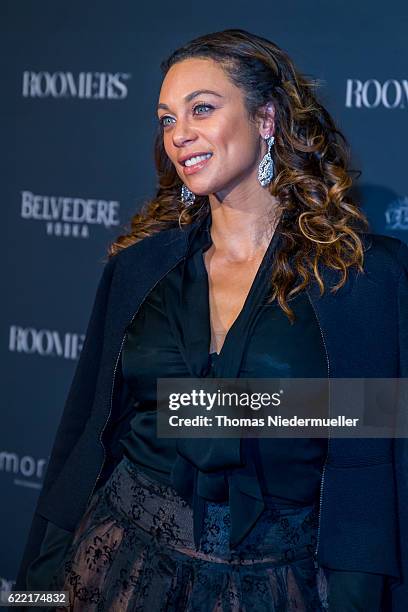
x: 196, y: 154
x: 196, y: 167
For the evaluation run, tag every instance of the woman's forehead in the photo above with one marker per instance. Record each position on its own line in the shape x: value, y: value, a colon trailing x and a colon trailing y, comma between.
x: 192, y: 75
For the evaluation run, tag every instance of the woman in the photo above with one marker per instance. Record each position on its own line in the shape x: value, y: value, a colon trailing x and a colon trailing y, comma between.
x: 251, y: 261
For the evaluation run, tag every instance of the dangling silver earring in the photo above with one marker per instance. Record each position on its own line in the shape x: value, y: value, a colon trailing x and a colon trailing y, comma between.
x: 265, y: 169
x: 187, y: 196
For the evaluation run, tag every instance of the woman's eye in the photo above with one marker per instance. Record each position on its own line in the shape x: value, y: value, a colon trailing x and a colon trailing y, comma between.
x: 162, y: 121
x: 207, y: 106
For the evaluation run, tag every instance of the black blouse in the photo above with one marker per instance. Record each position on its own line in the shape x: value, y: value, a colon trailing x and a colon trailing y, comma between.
x: 170, y: 337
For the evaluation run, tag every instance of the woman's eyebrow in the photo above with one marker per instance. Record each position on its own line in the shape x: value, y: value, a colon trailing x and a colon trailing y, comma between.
x: 192, y: 95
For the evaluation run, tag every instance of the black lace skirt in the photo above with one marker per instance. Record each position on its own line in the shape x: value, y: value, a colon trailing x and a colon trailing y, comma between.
x: 134, y: 551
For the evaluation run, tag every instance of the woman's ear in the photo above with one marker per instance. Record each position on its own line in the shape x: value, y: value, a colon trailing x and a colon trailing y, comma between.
x: 267, y: 120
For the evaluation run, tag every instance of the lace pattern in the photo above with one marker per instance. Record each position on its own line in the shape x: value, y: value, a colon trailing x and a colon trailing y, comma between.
x: 133, y: 551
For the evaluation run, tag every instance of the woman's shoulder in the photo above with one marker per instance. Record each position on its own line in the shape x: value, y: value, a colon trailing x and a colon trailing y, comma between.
x: 385, y: 254
x: 149, y: 258
x: 151, y: 245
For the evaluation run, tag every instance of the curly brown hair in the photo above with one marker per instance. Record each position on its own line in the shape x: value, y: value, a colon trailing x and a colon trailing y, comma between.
x: 319, y: 222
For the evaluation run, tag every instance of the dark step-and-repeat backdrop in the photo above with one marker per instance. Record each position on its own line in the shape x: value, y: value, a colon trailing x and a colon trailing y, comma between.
x: 79, y: 85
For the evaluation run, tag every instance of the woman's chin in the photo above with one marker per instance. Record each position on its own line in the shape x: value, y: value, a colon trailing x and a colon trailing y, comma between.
x: 200, y: 190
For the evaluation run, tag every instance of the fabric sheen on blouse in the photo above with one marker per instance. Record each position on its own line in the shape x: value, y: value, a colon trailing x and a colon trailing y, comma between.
x: 170, y: 337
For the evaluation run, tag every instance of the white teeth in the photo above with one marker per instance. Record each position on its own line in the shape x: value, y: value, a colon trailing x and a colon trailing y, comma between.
x: 195, y: 160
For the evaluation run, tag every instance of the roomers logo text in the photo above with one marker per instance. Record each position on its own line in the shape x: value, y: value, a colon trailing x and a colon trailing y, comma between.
x: 390, y: 94
x: 84, y: 85
x: 45, y: 342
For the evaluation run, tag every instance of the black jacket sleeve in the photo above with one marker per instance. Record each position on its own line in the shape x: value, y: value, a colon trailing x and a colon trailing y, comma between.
x: 54, y: 547
x: 76, y: 411
x: 400, y: 591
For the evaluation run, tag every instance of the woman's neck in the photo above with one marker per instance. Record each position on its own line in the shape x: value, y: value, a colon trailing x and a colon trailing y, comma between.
x: 243, y: 233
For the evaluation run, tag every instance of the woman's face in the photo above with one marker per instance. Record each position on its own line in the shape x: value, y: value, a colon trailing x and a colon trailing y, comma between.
x: 203, y: 113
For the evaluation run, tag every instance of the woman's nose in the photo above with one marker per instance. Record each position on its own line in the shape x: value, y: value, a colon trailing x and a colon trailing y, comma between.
x: 182, y: 134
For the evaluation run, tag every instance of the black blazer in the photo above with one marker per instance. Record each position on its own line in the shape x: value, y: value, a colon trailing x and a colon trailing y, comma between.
x: 363, y: 523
